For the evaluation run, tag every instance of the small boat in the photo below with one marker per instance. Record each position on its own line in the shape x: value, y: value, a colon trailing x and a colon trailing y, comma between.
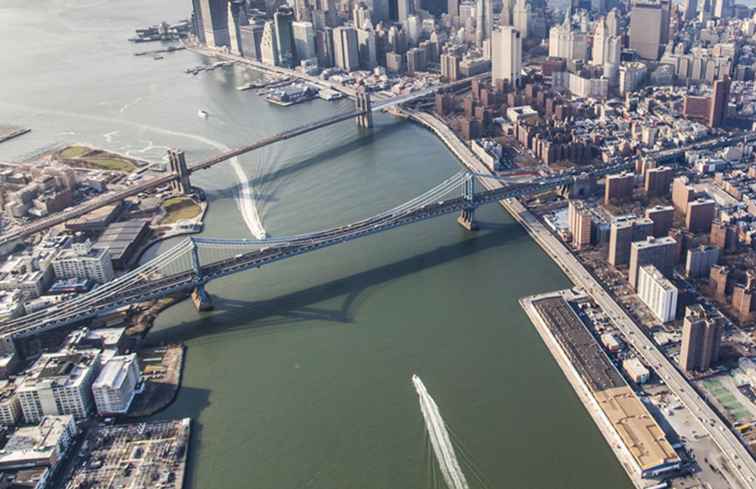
x: 158, y: 57
x: 202, y: 114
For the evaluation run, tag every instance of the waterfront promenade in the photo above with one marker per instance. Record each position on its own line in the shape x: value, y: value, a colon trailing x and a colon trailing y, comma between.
x: 738, y: 460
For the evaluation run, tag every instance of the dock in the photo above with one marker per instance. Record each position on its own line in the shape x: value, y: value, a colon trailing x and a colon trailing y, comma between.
x: 734, y: 454
x: 9, y: 132
x: 637, y: 440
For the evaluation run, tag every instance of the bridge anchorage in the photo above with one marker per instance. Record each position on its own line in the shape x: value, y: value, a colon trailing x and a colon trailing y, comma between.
x: 466, y: 217
x: 200, y: 298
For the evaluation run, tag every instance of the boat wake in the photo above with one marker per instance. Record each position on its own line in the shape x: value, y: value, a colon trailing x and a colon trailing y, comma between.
x: 246, y: 197
x: 439, y: 438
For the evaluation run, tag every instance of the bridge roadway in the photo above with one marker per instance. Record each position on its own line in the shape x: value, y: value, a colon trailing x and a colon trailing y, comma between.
x: 81, y: 308
x: 113, y: 197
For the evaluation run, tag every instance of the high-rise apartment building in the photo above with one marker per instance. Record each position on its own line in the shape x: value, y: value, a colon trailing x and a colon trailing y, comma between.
x: 623, y: 232
x: 657, y: 293
x: 701, y: 340
x: 657, y: 181
x: 700, y: 259
x: 699, y: 215
x: 450, y: 67
x: 660, y: 252
x: 663, y: 217
x: 506, y: 49
x: 719, y: 100
x: 682, y: 194
x: 618, y: 187
x: 646, y: 21
x: 581, y: 223
x: 724, y: 236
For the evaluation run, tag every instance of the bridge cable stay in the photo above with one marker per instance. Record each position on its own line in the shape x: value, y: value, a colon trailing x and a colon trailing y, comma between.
x: 431, y: 196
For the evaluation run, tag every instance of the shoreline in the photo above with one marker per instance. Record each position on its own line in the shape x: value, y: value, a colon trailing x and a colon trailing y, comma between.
x: 724, y: 439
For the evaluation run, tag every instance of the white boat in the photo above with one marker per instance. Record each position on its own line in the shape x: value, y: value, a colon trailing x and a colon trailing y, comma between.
x: 202, y: 114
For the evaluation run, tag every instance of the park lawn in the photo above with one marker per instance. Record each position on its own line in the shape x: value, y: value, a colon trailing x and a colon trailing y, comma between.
x: 180, y: 208
x: 74, y: 151
x: 85, y: 157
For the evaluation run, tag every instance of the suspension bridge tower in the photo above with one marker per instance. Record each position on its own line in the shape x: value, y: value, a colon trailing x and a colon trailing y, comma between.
x: 466, y: 218
x: 178, y: 167
x: 201, y: 299
x: 364, y: 108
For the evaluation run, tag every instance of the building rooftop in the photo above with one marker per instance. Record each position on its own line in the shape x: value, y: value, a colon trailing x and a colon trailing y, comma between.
x: 63, y: 369
x: 114, y: 372
x: 657, y: 277
x: 651, y: 242
x: 639, y: 431
x: 35, y: 445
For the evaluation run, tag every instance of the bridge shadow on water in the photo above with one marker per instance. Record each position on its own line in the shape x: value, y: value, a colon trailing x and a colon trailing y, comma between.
x: 259, y: 183
x: 299, y: 306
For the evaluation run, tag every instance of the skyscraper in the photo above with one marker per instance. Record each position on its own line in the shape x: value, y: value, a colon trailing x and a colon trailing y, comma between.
x: 324, y: 47
x: 646, y: 20
x: 483, y: 21
x: 564, y: 42
x: 404, y: 8
x: 453, y: 7
x: 268, y: 46
x: 214, y: 16
x: 235, y: 12
x: 367, y: 48
x: 506, y: 15
x: 346, y: 48
x: 521, y: 17
x: 283, y: 19
x: 612, y: 23
x: 506, y: 48
x: 304, y: 39
x: 690, y: 7
x: 718, y: 104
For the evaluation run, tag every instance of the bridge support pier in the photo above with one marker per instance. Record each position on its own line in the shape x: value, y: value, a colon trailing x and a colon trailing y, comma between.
x: 201, y: 299
x: 365, y: 109
x: 177, y: 161
x: 466, y: 219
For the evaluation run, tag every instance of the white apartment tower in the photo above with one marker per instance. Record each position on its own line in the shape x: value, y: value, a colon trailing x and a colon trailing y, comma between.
x: 657, y: 293
x: 506, y: 48
x: 115, y: 387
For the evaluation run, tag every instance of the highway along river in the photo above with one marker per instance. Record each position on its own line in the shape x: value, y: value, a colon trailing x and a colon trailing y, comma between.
x: 301, y: 377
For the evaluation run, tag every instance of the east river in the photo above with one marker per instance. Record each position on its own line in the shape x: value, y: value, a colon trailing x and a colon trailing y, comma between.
x: 301, y: 376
